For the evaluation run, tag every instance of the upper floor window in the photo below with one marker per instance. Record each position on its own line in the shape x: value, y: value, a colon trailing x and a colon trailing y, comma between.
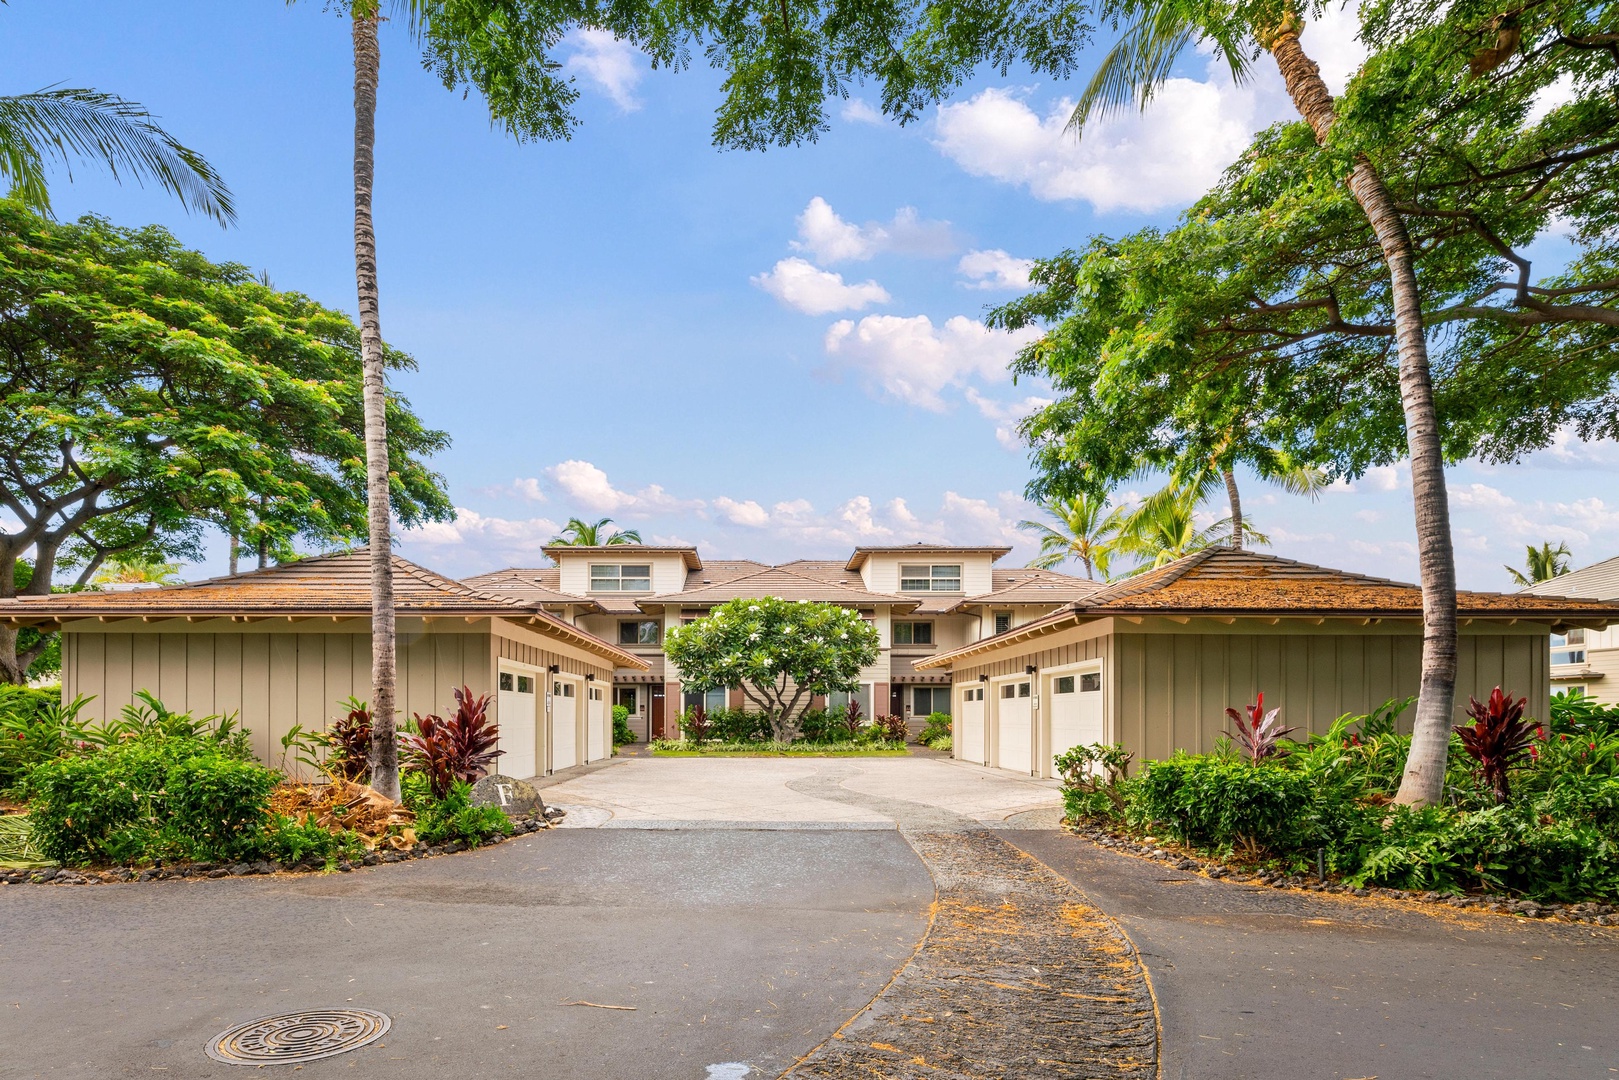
x: 1569, y: 648
x: 638, y: 632
x: 617, y: 577
x: 1003, y: 621
x: 913, y: 633
x: 934, y: 578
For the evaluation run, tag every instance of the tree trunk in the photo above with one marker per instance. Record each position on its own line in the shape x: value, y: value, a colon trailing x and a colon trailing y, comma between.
x: 384, y: 745
x: 1424, y: 779
x: 235, y: 554
x: 1236, y: 506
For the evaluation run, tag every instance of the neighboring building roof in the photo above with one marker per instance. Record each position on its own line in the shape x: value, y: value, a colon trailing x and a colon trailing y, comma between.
x: 1226, y: 581
x: 627, y: 551
x: 1599, y: 579
x: 531, y: 586
x: 861, y: 554
x: 1031, y: 586
x: 336, y: 585
x: 782, y: 583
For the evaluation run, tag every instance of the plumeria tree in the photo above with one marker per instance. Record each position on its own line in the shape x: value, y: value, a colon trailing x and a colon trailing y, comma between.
x: 780, y: 652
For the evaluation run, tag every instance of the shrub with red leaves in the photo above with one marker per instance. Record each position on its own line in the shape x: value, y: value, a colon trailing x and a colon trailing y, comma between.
x: 349, y: 738
x: 460, y: 748
x: 852, y: 719
x: 1258, y: 732
x: 1497, y: 738
x: 695, y: 725
x: 893, y: 727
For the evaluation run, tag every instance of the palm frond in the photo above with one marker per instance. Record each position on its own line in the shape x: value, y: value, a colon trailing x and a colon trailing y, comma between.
x: 62, y: 124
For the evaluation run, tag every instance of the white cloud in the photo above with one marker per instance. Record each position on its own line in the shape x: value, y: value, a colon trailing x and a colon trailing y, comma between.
x: 830, y: 239
x: 529, y: 488
x: 588, y: 485
x: 1167, y: 155
x: 1006, y: 415
x: 859, y: 111
x: 1479, y: 497
x: 747, y: 513
x: 912, y: 360
x: 797, y: 283
x: 451, y: 544
x: 995, y: 269
x: 609, y: 63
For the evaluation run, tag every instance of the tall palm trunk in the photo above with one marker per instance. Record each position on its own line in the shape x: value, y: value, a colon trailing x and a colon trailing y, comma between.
x: 1235, y: 499
x: 1424, y: 778
x: 367, y: 64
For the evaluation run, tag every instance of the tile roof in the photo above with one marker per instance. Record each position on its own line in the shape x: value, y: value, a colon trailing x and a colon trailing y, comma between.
x: 335, y: 585
x: 529, y: 585
x: 862, y: 553
x: 1225, y: 581
x: 779, y: 582
x: 629, y: 551
x: 1032, y: 586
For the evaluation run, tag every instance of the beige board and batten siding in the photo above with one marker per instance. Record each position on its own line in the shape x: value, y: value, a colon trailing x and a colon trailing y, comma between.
x: 1174, y: 685
x: 271, y: 679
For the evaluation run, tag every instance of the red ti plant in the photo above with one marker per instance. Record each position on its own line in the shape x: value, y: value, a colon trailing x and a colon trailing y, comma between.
x: 1258, y: 732
x: 894, y: 727
x: 695, y: 724
x: 349, y: 738
x: 460, y: 748
x: 852, y: 718
x: 1497, y: 738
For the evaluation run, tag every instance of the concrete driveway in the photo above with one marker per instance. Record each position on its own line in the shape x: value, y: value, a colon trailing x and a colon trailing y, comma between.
x: 774, y: 793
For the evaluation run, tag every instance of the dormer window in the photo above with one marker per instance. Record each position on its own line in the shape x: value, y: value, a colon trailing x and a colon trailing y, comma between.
x: 620, y: 577
x: 945, y: 577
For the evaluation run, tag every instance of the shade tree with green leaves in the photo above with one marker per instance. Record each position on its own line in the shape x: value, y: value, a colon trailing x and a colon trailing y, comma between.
x: 780, y: 653
x: 147, y: 393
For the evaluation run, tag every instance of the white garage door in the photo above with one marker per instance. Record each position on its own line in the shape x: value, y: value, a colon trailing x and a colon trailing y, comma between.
x: 969, y: 726
x: 564, y: 721
x: 514, y: 712
x: 596, y: 724
x: 1076, y: 712
x: 1014, y: 727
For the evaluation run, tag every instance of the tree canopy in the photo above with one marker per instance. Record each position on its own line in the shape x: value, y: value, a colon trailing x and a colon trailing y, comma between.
x: 145, y: 391
x: 779, y: 652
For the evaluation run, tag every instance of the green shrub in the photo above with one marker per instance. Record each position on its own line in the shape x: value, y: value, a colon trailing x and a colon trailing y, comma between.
x: 1221, y: 804
x: 937, y: 726
x: 944, y: 744
x: 1576, y: 714
x: 439, y: 821
x: 622, y: 735
x: 737, y: 725
x: 36, y: 727
x: 290, y: 841
x: 144, y: 799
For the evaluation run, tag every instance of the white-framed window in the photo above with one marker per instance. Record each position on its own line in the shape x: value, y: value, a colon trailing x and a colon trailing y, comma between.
x: 1569, y: 648
x: 933, y: 577
x: 562, y: 689
x: 708, y: 699
x: 638, y: 632
x: 595, y: 694
x: 913, y: 633
x: 926, y: 700
x: 838, y: 700
x: 523, y: 684
x: 620, y: 577
x: 973, y: 693
x: 1003, y: 621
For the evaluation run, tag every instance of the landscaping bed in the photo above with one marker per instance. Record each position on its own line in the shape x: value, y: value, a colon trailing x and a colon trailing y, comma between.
x: 154, y: 795
x: 1530, y: 821
x: 685, y: 748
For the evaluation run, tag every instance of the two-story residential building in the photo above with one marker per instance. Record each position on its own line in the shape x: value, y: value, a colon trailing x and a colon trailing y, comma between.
x: 1586, y: 660
x: 922, y: 598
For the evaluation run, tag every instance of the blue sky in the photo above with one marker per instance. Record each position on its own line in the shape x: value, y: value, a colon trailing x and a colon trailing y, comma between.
x: 771, y: 355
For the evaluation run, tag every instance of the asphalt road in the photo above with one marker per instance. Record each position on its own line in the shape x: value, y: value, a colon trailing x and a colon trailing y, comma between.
x: 1260, y: 983
x: 733, y: 946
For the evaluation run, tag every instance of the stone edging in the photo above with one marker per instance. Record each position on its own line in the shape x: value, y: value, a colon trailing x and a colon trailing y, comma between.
x: 62, y: 875
x: 1590, y: 912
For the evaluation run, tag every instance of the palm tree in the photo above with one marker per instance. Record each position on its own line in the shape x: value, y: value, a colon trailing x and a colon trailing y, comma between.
x: 364, y: 16
x: 580, y: 533
x: 1155, y: 33
x: 1543, y: 563
x: 1162, y: 530
x: 137, y: 570
x: 58, y: 125
x: 1276, y: 466
x: 1086, y: 530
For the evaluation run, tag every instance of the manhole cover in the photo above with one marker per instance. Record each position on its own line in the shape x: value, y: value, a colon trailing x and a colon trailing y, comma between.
x: 302, y: 1036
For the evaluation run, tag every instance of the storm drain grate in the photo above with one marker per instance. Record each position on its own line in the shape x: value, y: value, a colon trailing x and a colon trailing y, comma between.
x: 294, y: 1037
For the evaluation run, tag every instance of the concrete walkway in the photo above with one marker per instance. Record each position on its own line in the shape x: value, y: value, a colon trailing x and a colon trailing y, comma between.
x: 765, y: 793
